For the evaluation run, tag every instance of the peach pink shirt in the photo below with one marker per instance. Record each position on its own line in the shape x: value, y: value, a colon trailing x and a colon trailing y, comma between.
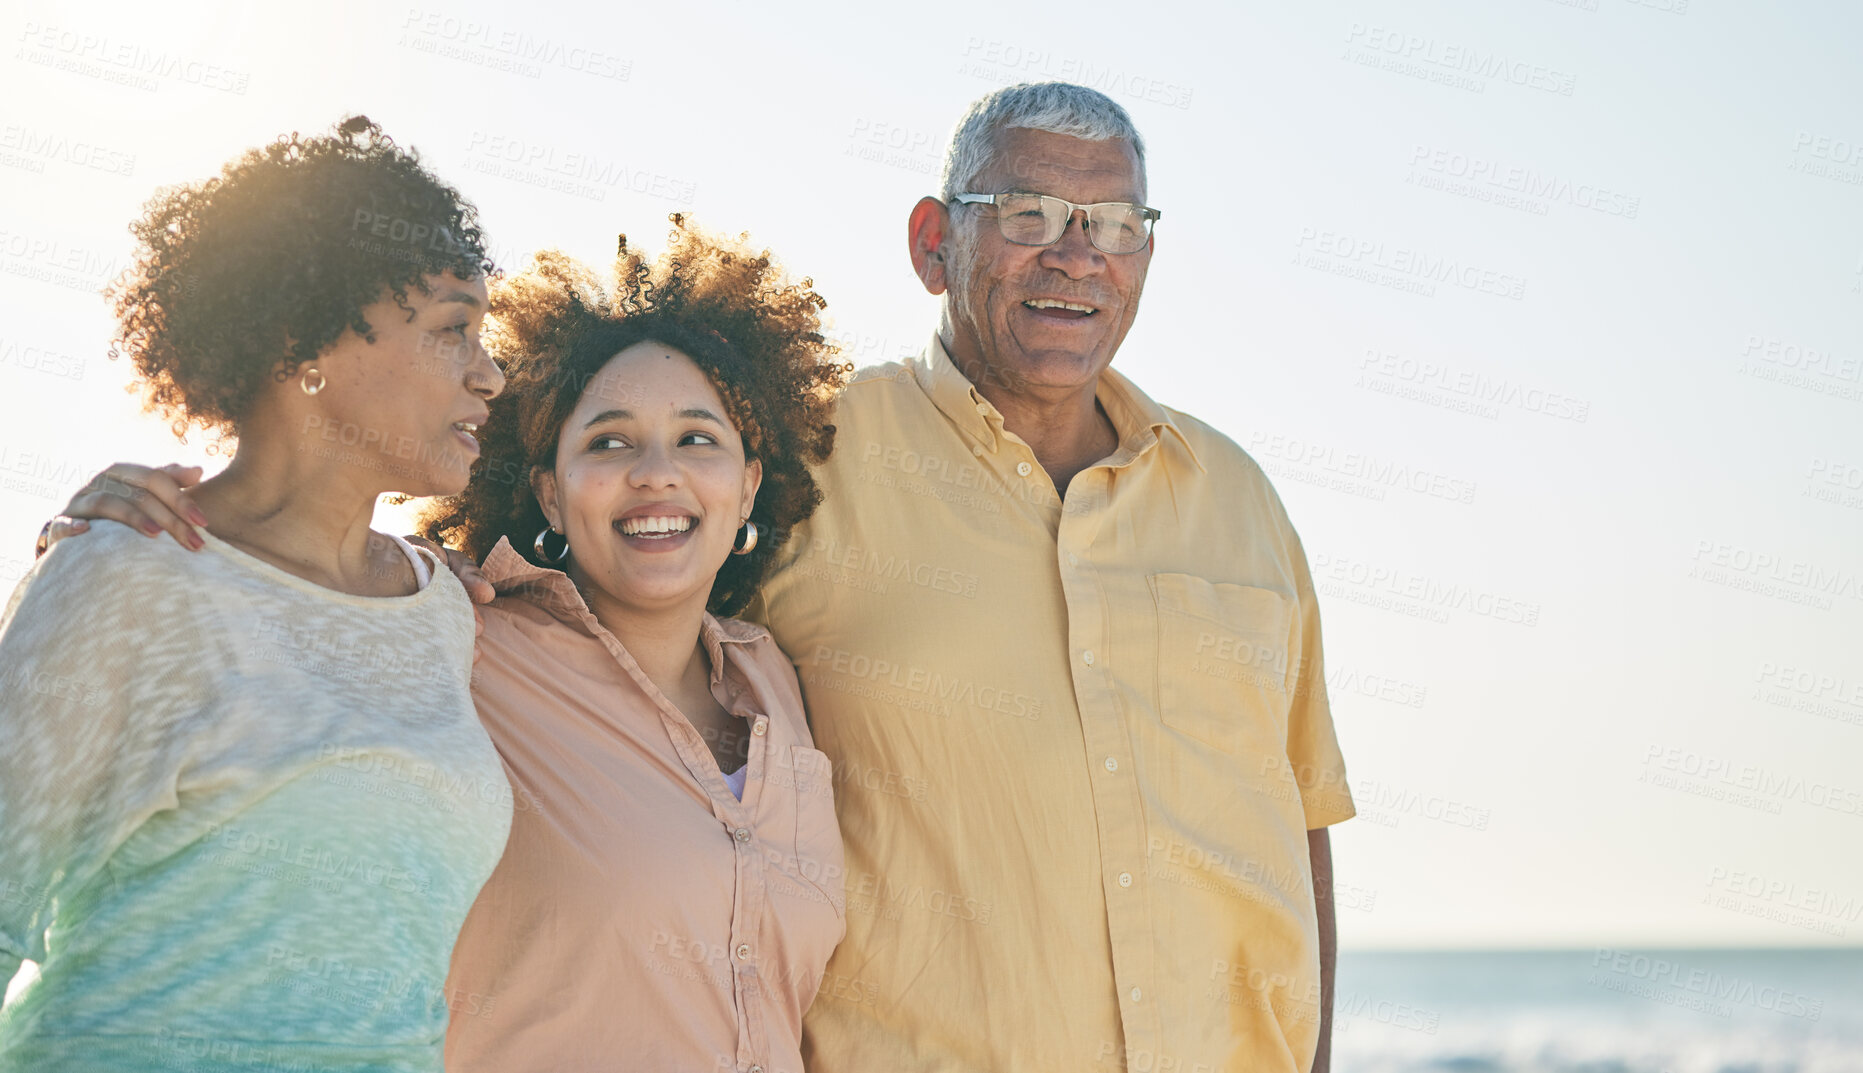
x: 642, y: 916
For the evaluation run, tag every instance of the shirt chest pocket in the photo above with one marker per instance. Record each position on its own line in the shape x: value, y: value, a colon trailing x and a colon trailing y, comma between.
x: 818, y: 856
x: 1223, y: 669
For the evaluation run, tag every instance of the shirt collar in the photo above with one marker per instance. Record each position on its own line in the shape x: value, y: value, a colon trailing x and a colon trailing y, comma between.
x: 1137, y: 419
x: 551, y: 590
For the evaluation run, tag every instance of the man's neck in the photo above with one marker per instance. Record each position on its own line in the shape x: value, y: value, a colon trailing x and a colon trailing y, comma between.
x: 1066, y: 427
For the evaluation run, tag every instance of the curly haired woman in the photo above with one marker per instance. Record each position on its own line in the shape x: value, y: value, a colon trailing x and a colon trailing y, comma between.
x: 215, y: 845
x: 672, y: 886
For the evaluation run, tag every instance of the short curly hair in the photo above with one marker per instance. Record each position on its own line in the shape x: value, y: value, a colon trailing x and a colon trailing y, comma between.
x: 754, y: 333
x: 246, y: 276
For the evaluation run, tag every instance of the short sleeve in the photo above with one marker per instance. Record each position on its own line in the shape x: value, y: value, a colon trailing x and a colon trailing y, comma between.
x: 98, y: 665
x: 1312, y: 746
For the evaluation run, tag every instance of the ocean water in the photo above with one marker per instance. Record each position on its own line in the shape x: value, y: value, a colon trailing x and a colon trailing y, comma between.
x: 1605, y: 1010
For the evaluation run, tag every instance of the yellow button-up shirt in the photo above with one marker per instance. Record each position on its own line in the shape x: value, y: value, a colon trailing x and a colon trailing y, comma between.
x: 1077, y: 742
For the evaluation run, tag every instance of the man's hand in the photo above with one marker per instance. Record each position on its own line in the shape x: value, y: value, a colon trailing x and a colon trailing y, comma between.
x: 149, y: 500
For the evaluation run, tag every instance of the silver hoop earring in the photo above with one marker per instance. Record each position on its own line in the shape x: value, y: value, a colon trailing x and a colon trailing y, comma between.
x: 750, y: 540
x: 305, y: 383
x: 546, y: 556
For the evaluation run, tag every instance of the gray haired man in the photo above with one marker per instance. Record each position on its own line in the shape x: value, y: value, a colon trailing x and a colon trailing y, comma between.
x: 1062, y: 647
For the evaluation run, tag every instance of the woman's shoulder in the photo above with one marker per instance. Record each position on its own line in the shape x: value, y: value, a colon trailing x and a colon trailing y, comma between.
x: 112, y: 557
x: 101, y: 598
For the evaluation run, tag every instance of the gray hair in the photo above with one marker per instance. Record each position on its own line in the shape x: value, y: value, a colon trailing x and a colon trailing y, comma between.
x: 1055, y: 107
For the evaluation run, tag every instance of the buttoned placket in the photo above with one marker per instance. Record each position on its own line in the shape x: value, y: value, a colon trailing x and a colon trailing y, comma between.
x: 1118, y: 800
x: 1074, y: 520
x: 751, y: 891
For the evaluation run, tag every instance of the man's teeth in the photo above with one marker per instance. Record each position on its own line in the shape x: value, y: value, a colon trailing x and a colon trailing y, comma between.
x: 466, y: 427
x: 652, y: 526
x: 1049, y: 303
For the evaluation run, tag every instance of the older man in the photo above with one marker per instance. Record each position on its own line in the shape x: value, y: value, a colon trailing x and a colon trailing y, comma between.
x: 1062, y: 646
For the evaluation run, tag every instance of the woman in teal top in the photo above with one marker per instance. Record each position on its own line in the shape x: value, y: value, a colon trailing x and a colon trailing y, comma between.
x: 245, y: 802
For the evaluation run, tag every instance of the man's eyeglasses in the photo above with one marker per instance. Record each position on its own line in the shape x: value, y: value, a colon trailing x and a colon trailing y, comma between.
x: 1040, y: 220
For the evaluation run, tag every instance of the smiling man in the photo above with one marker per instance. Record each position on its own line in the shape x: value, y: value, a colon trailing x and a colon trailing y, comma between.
x: 1062, y: 647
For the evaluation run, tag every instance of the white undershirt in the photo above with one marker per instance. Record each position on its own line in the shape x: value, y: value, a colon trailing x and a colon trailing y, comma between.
x: 423, y: 572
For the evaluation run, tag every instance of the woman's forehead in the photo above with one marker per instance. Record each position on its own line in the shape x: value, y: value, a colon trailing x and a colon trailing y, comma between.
x: 650, y: 378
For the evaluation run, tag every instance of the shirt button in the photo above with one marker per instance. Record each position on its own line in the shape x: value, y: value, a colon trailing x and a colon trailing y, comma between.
x: 756, y: 1069
x: 1112, y: 764
x: 742, y: 834
x: 761, y: 726
x: 983, y: 407
x: 1024, y: 468
x: 1137, y: 994
x: 1072, y: 559
x: 1125, y: 880
x: 743, y: 951
x: 1087, y: 657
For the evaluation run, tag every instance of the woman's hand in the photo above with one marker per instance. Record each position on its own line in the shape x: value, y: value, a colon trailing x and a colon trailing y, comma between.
x: 149, y: 500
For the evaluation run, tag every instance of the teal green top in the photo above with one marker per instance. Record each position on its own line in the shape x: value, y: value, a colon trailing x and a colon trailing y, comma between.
x: 242, y: 816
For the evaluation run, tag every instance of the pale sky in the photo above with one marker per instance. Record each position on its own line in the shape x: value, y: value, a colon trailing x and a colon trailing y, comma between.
x: 1543, y: 316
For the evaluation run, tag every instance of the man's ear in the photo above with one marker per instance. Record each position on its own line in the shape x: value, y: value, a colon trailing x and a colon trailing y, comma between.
x: 543, y: 486
x: 927, y: 230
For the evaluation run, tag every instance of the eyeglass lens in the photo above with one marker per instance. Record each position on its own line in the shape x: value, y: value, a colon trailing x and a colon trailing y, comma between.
x: 1038, y: 220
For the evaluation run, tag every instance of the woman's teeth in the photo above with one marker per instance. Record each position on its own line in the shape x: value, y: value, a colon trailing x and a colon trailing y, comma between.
x: 655, y: 526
